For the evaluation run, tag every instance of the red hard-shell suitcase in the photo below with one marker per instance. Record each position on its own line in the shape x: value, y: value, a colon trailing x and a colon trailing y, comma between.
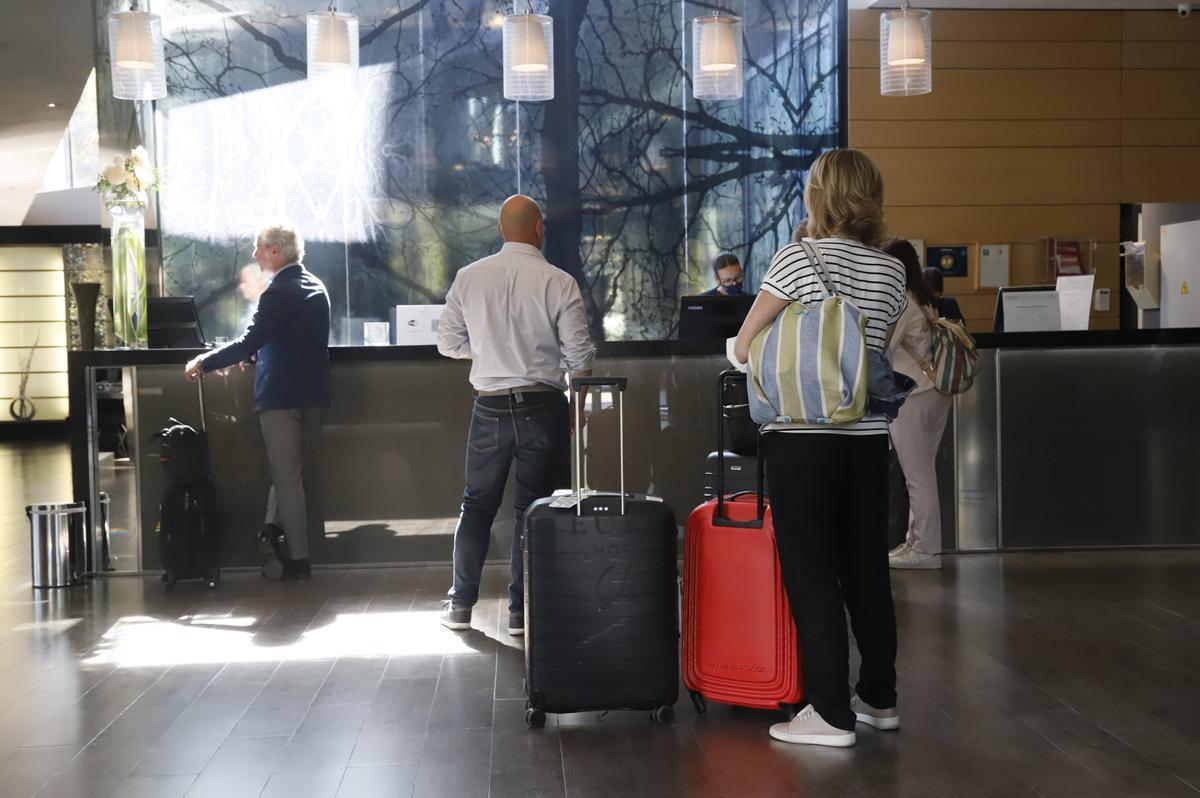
x: 739, y: 639
x: 601, y: 630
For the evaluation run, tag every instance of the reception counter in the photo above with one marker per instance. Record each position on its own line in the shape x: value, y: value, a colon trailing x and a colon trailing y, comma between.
x: 1066, y: 440
x: 388, y: 478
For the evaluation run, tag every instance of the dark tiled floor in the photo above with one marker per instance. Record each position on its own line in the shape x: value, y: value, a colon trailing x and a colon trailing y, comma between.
x: 1052, y: 675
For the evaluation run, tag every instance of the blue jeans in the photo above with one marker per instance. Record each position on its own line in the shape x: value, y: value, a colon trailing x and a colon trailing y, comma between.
x: 532, y: 430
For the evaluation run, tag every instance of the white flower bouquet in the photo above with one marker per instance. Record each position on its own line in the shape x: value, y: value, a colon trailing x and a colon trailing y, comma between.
x: 128, y: 178
x: 123, y: 185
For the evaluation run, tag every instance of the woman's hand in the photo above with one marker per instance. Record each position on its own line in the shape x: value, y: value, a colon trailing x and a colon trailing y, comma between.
x: 764, y: 310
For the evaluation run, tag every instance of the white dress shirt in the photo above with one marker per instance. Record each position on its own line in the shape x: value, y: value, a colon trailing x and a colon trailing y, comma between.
x: 518, y: 318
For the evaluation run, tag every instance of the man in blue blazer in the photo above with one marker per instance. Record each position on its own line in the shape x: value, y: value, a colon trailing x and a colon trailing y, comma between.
x: 288, y: 338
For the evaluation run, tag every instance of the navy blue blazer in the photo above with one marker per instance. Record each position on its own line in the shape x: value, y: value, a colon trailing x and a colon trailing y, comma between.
x: 290, y: 335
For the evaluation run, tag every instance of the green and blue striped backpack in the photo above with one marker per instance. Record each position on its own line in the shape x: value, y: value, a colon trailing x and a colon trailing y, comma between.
x: 810, y: 365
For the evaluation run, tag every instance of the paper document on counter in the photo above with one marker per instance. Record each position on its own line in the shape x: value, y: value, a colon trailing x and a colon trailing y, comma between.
x: 1075, y: 301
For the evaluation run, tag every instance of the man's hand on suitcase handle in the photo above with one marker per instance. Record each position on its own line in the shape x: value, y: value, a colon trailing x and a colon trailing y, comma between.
x: 193, y: 369
x: 579, y: 405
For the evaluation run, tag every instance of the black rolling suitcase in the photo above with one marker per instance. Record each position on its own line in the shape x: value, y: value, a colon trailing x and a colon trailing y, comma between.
x: 601, y: 603
x: 741, y: 474
x: 188, y: 536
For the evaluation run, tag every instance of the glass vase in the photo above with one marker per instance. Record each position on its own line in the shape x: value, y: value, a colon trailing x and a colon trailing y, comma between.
x: 128, y: 212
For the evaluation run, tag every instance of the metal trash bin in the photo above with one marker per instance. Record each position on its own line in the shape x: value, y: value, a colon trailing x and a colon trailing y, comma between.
x: 57, y: 534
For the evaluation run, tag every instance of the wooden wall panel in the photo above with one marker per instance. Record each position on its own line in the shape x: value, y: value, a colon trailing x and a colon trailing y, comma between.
x: 1161, y: 55
x: 1040, y: 124
x: 1004, y: 224
x: 994, y: 94
x: 985, y: 133
x: 1007, y: 55
x: 1160, y: 94
x: 1160, y: 174
x: 1158, y: 132
x: 1159, y: 26
x: 1006, y: 26
x: 992, y: 176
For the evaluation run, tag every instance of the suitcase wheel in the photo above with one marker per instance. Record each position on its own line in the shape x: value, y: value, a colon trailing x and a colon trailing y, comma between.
x: 663, y: 715
x: 699, y: 702
x: 536, y: 719
x: 168, y: 580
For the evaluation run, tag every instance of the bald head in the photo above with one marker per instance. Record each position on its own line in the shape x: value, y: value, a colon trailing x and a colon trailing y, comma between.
x: 521, y: 220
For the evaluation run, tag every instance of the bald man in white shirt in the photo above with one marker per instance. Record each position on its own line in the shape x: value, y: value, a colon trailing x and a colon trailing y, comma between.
x: 521, y: 322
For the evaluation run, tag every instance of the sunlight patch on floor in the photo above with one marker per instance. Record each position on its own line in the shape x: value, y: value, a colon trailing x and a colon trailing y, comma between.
x: 140, y: 641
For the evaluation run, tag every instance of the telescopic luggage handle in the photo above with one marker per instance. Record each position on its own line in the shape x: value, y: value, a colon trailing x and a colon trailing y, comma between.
x: 727, y: 377
x: 577, y: 384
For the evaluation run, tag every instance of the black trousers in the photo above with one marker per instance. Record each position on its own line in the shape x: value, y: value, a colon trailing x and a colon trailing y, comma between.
x: 829, y: 502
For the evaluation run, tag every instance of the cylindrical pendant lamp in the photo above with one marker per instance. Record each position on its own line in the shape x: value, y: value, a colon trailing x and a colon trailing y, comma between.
x: 717, y: 58
x: 905, y: 50
x: 135, y: 43
x: 332, y: 42
x: 528, y: 57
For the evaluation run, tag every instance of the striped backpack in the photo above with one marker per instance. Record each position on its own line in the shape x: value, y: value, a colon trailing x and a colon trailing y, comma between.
x: 810, y: 365
x: 953, y: 361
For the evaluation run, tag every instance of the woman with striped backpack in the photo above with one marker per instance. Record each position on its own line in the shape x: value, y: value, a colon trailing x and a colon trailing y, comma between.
x: 824, y: 305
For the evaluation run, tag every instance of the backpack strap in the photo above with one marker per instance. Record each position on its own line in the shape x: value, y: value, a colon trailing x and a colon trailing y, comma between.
x: 923, y: 363
x: 819, y: 268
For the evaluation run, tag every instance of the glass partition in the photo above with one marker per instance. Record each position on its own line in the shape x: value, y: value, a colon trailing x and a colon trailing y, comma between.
x: 394, y: 175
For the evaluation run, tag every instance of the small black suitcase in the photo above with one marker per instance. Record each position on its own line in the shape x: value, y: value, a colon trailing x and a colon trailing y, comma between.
x: 741, y: 474
x: 189, y: 539
x: 741, y: 433
x: 601, y: 600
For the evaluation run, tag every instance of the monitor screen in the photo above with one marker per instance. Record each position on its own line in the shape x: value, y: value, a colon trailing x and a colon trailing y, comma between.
x: 1042, y: 291
x: 713, y: 316
x: 173, y: 323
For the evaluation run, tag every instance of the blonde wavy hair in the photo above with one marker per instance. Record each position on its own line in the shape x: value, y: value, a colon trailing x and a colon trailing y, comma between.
x: 844, y: 197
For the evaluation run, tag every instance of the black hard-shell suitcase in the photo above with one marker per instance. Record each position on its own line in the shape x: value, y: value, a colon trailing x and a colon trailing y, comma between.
x: 741, y: 474
x: 601, y: 602
x: 741, y: 433
x: 189, y: 539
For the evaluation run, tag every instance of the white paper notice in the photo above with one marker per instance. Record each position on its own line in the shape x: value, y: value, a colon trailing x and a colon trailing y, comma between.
x: 993, y: 265
x: 1031, y: 311
x: 1075, y: 301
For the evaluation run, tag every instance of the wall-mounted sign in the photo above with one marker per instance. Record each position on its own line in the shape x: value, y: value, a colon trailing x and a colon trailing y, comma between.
x: 993, y: 265
x: 950, y: 261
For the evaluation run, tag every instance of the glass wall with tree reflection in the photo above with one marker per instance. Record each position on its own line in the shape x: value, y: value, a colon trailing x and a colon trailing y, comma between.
x: 395, y: 175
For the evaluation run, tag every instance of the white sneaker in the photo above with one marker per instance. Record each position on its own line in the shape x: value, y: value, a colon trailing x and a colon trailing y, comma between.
x: 916, y: 560
x: 902, y: 549
x: 809, y: 728
x: 886, y: 719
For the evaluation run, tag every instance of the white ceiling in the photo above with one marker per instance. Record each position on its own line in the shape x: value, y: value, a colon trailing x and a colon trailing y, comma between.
x: 46, y: 54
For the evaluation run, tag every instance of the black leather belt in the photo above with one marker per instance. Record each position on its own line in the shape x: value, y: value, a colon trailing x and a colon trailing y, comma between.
x: 520, y: 389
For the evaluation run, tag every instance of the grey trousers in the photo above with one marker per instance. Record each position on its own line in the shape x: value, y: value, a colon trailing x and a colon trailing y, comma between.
x: 290, y: 437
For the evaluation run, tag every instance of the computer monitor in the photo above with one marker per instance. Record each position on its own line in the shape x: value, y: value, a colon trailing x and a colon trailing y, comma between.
x: 1037, y: 316
x: 713, y: 316
x: 173, y: 323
